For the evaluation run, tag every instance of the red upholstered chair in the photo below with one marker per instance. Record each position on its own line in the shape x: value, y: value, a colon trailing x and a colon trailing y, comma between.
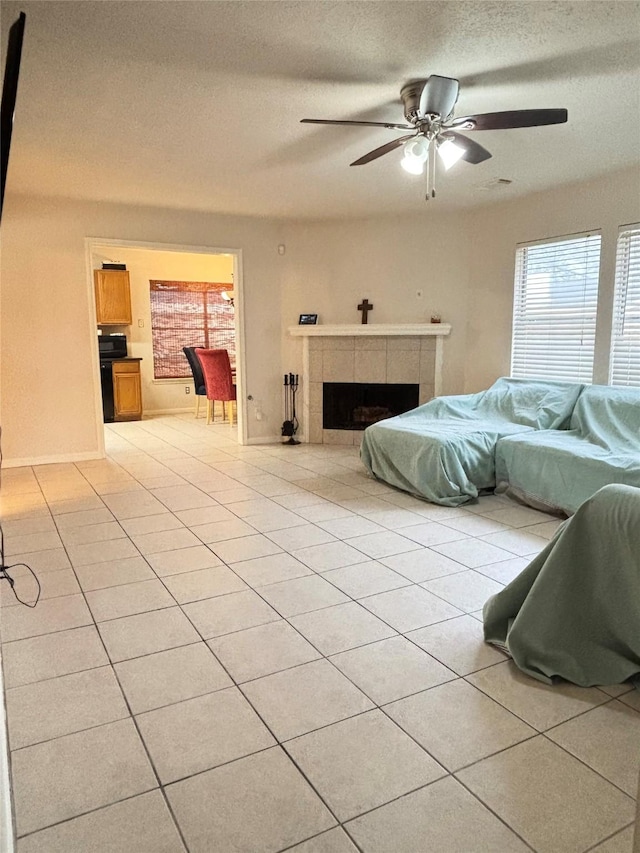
x: 218, y: 379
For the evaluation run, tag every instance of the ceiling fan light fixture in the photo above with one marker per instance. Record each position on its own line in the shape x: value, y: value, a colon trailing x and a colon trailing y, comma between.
x: 417, y: 149
x: 449, y: 153
x: 416, y: 152
x: 412, y: 165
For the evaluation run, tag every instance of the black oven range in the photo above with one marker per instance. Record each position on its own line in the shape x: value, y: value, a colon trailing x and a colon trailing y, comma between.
x: 110, y: 349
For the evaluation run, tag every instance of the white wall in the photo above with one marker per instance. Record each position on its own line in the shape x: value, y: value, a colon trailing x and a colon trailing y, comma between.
x: 145, y: 265
x: 331, y: 266
x: 495, y: 231
x: 463, y: 262
x: 48, y: 408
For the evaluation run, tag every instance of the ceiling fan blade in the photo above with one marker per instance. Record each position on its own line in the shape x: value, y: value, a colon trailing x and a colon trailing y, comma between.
x: 384, y: 149
x: 439, y: 96
x: 389, y: 125
x: 509, y: 119
x: 473, y: 152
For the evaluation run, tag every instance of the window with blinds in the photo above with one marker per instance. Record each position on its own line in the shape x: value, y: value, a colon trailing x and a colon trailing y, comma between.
x: 625, y: 340
x: 555, y: 308
x: 188, y: 314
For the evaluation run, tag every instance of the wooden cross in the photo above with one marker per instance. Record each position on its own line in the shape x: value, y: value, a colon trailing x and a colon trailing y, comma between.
x: 365, y: 308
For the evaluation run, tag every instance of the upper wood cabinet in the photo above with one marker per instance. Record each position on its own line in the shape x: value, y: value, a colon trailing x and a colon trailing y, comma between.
x: 113, y: 297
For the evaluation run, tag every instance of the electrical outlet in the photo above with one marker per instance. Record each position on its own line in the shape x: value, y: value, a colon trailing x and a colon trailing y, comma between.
x: 187, y: 389
x: 141, y: 324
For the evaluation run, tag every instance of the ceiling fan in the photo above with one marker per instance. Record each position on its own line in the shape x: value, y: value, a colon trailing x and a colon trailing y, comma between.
x: 428, y: 110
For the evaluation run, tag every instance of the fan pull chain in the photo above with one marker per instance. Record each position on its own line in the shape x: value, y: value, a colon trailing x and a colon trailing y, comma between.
x: 431, y: 171
x: 433, y: 168
x: 428, y: 195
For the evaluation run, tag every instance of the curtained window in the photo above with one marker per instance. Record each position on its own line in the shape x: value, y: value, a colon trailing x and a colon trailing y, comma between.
x: 188, y: 314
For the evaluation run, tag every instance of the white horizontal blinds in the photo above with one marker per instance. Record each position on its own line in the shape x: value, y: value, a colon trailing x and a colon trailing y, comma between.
x: 555, y: 307
x: 625, y: 341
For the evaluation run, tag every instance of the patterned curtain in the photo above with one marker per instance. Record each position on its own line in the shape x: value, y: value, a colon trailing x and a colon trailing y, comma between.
x: 189, y: 314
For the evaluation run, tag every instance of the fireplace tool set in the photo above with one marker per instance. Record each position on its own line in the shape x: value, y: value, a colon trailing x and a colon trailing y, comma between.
x: 290, y: 425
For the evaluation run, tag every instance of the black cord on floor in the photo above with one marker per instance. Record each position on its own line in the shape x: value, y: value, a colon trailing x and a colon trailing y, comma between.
x: 4, y: 569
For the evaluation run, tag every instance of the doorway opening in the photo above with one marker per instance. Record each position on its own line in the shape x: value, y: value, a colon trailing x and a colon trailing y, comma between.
x: 180, y: 296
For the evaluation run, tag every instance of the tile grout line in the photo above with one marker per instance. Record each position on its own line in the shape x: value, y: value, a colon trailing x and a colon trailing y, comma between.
x: 543, y: 732
x: 380, y: 708
x: 93, y: 811
x: 610, y: 837
x: 582, y: 761
x: 277, y: 740
x: 494, y: 813
x: 277, y: 743
x: 125, y: 700
x: 162, y: 785
x: 285, y: 619
x: 12, y: 802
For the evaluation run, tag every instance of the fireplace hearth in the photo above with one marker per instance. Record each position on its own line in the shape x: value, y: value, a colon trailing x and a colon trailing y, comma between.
x: 357, y: 405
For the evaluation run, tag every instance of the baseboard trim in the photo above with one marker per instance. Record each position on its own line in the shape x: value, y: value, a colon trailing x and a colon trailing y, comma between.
x: 265, y: 439
x: 28, y: 461
x: 167, y: 411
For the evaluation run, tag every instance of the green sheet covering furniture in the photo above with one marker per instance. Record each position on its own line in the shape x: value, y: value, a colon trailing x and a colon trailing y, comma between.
x: 574, y: 612
x: 444, y: 451
x: 559, y: 470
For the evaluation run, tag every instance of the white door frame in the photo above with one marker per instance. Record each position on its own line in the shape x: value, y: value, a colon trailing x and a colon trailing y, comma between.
x: 91, y: 244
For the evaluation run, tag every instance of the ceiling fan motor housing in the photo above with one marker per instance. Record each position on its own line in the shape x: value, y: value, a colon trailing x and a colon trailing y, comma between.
x: 410, y: 96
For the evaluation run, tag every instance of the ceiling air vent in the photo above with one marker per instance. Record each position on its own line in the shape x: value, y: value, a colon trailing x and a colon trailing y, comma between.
x: 496, y: 184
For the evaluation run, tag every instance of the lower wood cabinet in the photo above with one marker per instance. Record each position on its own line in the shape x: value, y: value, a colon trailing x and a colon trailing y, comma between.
x: 127, y: 391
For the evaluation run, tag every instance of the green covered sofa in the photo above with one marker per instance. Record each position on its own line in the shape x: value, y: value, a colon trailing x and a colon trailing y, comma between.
x: 444, y: 451
x: 574, y: 612
x: 560, y: 469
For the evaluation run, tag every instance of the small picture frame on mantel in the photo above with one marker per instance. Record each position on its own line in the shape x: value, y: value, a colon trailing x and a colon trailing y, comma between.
x: 308, y: 320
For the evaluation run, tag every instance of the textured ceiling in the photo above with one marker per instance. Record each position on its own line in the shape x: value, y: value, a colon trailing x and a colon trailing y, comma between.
x: 197, y: 104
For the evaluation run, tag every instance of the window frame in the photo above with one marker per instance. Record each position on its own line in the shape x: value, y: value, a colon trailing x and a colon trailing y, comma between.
x: 520, y: 326
x: 626, y: 283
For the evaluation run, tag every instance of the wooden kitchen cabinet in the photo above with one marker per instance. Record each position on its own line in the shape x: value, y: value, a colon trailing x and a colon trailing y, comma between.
x: 113, y: 297
x: 127, y: 391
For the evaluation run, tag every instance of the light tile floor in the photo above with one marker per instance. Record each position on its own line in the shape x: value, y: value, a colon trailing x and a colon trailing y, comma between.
x: 260, y: 649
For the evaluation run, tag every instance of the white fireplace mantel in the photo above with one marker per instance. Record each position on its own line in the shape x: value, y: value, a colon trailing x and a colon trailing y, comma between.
x: 380, y: 329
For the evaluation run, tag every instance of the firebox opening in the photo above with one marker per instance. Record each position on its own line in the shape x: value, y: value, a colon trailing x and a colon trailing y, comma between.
x: 357, y: 405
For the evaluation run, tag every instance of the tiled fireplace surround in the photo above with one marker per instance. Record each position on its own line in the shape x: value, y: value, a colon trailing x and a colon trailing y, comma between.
x: 374, y: 353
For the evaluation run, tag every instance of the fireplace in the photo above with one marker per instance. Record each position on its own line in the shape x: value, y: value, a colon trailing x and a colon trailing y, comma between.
x: 379, y: 354
x: 357, y: 405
